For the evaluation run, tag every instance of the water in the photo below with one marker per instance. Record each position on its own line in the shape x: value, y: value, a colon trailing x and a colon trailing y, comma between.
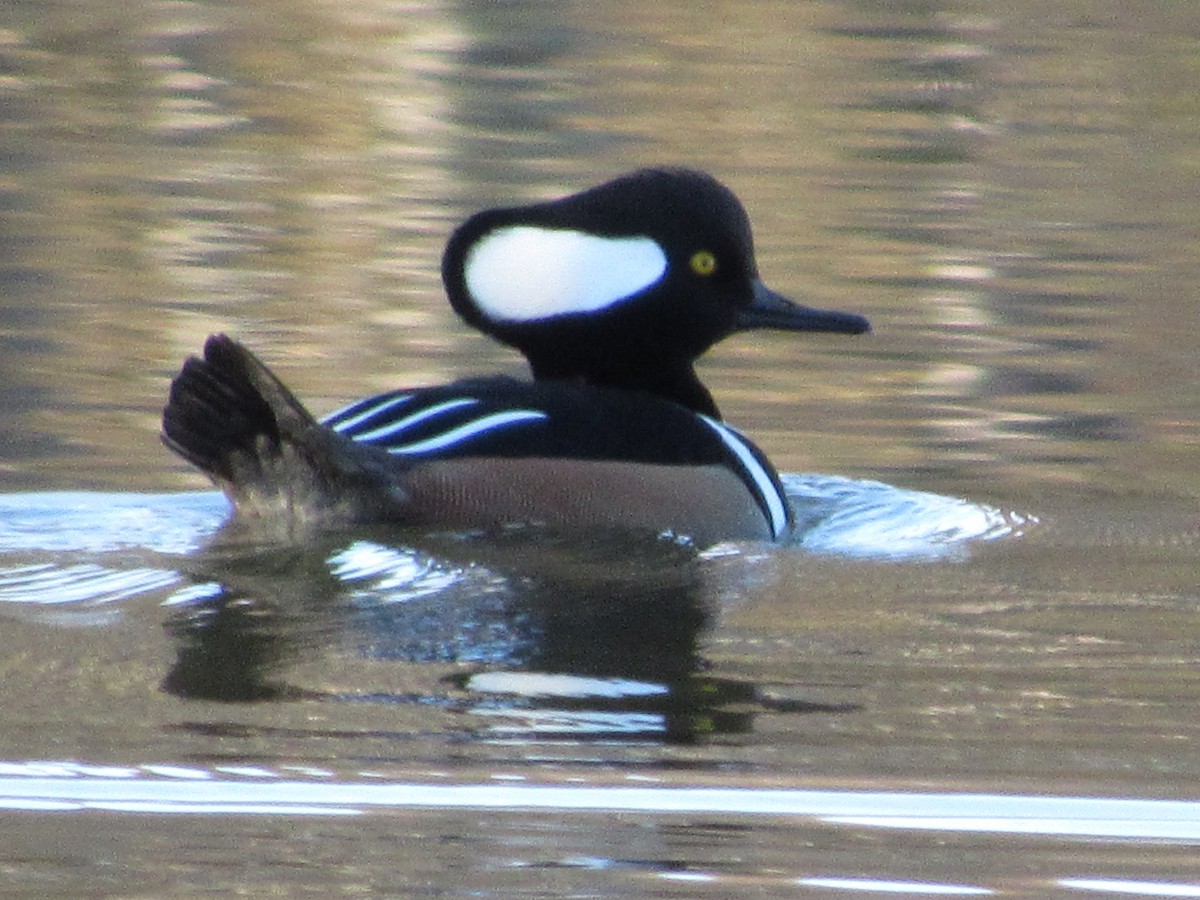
x: 971, y: 673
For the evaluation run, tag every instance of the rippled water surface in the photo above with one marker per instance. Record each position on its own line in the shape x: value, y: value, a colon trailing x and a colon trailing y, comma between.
x: 973, y: 671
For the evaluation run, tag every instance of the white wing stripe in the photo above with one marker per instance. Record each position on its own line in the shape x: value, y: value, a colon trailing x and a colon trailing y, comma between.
x: 762, y: 478
x: 470, y: 430
x: 366, y: 414
x: 416, y: 418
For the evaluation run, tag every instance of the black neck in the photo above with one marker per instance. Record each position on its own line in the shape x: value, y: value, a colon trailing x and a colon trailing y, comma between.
x: 677, y: 383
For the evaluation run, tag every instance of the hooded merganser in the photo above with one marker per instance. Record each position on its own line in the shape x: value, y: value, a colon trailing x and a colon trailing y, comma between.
x: 623, y: 285
x: 611, y: 294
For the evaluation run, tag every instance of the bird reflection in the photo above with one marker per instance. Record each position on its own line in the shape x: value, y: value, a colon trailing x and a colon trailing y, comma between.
x: 553, y: 634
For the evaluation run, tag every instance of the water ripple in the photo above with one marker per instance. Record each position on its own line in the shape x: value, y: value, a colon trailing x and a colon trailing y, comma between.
x: 870, y: 519
x: 85, y: 522
x: 50, y: 585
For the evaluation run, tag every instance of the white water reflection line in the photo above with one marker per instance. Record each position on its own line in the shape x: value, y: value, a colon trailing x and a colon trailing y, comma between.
x: 1099, y: 825
x: 552, y: 684
x: 26, y: 786
x: 1132, y: 888
x: 570, y: 722
x: 882, y: 886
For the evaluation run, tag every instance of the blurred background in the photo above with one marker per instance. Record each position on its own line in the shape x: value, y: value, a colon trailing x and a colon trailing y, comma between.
x: 1008, y: 190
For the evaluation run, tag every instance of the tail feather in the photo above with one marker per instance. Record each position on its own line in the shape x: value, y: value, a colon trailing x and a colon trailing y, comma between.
x: 217, y: 417
x: 228, y: 415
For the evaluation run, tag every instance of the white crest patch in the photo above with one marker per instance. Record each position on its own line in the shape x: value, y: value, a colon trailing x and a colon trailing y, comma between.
x: 521, y: 273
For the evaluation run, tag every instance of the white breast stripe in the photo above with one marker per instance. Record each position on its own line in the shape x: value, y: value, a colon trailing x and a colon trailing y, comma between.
x: 762, y: 478
x: 521, y: 273
x: 470, y: 430
x: 399, y: 425
x: 363, y: 416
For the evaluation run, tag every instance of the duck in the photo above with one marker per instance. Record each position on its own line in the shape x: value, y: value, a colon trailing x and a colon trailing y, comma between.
x: 611, y: 294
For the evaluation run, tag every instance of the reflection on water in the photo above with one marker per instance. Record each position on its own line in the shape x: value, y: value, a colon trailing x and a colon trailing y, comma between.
x: 625, y: 609
x: 231, y: 791
x: 629, y: 609
x: 255, y: 790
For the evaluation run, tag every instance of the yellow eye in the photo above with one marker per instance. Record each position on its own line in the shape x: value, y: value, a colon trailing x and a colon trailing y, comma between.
x: 703, y: 262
